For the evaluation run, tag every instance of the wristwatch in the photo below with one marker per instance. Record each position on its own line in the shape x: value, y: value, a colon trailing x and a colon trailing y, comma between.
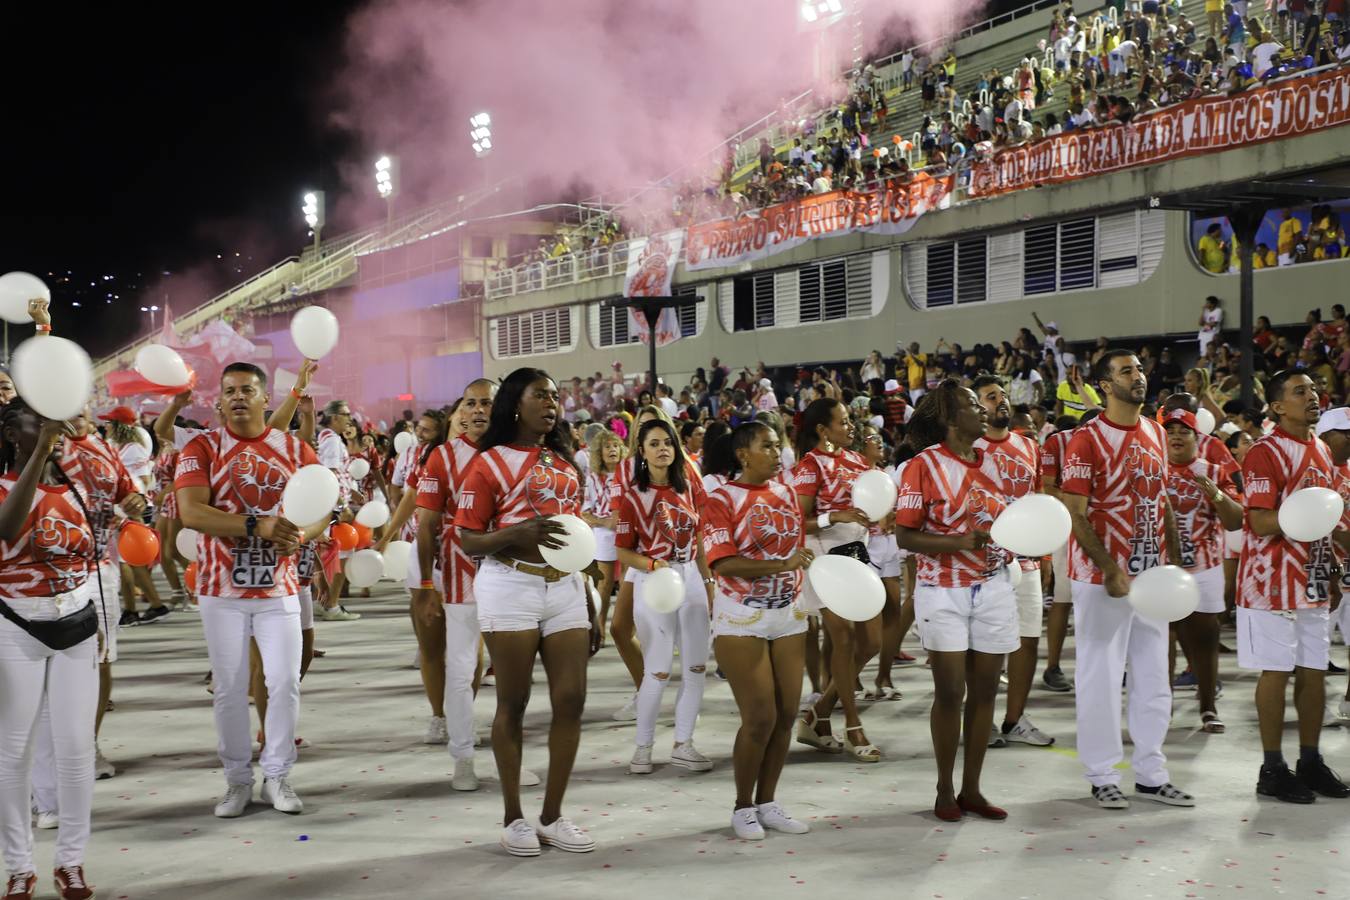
x: 250, y: 524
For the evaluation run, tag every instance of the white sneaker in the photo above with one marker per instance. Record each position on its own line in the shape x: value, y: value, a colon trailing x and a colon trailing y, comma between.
x: 337, y: 614
x: 236, y: 800
x: 745, y: 822
x: 464, y: 779
x: 528, y: 778
x: 520, y: 839
x: 685, y: 755
x: 1026, y: 733
x: 627, y: 712
x: 1344, y: 712
x: 771, y: 815
x: 1331, y: 717
x: 565, y: 835
x: 478, y: 739
x: 102, y: 768
x: 436, y: 731
x: 641, y: 763
x: 997, y: 738
x: 279, y: 793
x: 47, y: 820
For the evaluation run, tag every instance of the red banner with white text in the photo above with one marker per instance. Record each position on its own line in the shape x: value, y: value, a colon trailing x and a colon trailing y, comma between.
x: 893, y: 208
x: 1207, y: 125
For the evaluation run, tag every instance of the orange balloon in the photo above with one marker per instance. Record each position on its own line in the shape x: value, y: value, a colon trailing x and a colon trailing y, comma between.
x: 345, y: 536
x: 190, y: 577
x: 895, y: 139
x: 364, y: 536
x: 138, y: 545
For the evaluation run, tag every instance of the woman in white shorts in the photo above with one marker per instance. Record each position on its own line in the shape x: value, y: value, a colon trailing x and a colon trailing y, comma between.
x: 964, y: 602
x: 521, y: 477
x: 658, y: 528
x: 885, y: 559
x: 752, y: 539
x: 823, y: 481
x: 606, y: 452
x: 1204, y: 503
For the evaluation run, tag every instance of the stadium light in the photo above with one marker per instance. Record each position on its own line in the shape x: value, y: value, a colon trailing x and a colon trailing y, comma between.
x: 814, y: 10
x: 384, y: 176
x: 480, y: 131
x: 312, y: 207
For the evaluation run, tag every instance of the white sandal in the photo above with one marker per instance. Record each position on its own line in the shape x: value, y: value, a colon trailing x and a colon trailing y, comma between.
x: 806, y: 734
x: 868, y: 753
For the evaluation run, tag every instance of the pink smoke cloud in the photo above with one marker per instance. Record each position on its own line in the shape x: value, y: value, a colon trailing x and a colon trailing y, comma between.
x: 605, y: 93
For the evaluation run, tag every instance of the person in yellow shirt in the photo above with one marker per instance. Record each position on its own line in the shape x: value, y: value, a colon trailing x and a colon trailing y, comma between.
x: 1212, y: 249
x: 1290, y: 231
x: 916, y: 364
x: 1214, y: 14
x: 1074, y: 397
x: 1263, y: 257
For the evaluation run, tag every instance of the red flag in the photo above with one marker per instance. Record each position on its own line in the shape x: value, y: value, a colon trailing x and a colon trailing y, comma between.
x: 130, y: 383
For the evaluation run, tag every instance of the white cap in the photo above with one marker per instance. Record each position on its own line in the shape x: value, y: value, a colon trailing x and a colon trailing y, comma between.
x: 1226, y: 430
x: 1052, y: 326
x: 892, y: 385
x: 1337, y: 419
x: 765, y: 383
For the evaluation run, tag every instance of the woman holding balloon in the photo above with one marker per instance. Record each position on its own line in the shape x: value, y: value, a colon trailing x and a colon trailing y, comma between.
x: 607, y: 451
x: 522, y: 477
x: 886, y: 560
x: 950, y: 495
x: 823, y: 481
x: 753, y: 542
x: 657, y: 539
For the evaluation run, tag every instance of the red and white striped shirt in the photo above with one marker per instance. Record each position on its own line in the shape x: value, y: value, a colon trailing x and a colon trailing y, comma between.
x: 98, y: 469
x: 53, y: 553
x: 245, y: 477
x: 1275, y: 572
x: 333, y: 455
x: 828, y: 477
x: 624, y: 474
x: 510, y: 484
x: 660, y: 522
x: 1018, y: 461
x: 1052, y: 454
x: 1198, y: 524
x: 1217, y: 452
x: 1343, y: 488
x: 438, y: 490
x: 1123, y: 473
x: 597, y: 501
x: 760, y: 522
x: 941, y: 493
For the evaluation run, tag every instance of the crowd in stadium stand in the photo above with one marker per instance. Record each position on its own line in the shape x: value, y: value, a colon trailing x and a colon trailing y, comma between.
x: 1218, y: 250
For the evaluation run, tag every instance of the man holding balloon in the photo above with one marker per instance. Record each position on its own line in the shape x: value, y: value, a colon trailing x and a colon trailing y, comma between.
x: 1114, y: 483
x: 229, y: 483
x: 1284, y: 584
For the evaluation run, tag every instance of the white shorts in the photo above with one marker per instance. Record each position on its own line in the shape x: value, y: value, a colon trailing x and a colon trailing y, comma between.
x: 982, y: 618
x: 109, y: 608
x: 413, y: 580
x: 306, y: 595
x: 1030, y: 604
x: 885, y: 554
x: 1118, y: 65
x: 1211, y: 589
x: 1279, y: 641
x: 732, y: 619
x: 1059, y: 565
x: 604, y: 545
x: 509, y: 600
x: 821, y: 543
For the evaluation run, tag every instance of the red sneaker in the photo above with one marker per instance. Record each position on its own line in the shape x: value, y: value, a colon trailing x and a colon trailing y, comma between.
x: 21, y: 887
x: 70, y: 884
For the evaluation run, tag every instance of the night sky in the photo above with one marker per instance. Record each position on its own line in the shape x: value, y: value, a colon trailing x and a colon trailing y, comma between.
x: 147, y: 139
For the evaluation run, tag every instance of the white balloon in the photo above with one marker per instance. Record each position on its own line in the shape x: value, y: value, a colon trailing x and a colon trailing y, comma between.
x: 396, y: 558
x: 310, y: 496
x: 403, y: 440
x: 1205, y: 419
x: 358, y: 468
x: 16, y: 289
x: 663, y: 590
x: 314, y: 331
x: 578, y: 550
x: 1234, y: 540
x: 1164, y: 593
x: 874, y: 493
x: 1015, y: 573
x: 364, y: 568
x: 1034, y: 525
x: 54, y: 375
x: 1310, y: 514
x: 373, y: 514
x: 186, y: 542
x: 162, y: 365
x: 850, y: 589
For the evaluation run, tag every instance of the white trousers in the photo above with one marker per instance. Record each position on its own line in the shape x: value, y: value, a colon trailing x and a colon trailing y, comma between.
x: 33, y: 675
x: 461, y: 659
x: 1108, y: 635
x: 658, y: 632
x: 275, y: 624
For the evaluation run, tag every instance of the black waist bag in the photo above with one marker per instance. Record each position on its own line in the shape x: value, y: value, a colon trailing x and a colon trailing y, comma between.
x: 854, y: 550
x: 58, y: 634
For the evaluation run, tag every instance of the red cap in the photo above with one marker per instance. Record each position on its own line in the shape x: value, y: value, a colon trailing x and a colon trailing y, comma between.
x: 121, y: 414
x: 1185, y: 417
